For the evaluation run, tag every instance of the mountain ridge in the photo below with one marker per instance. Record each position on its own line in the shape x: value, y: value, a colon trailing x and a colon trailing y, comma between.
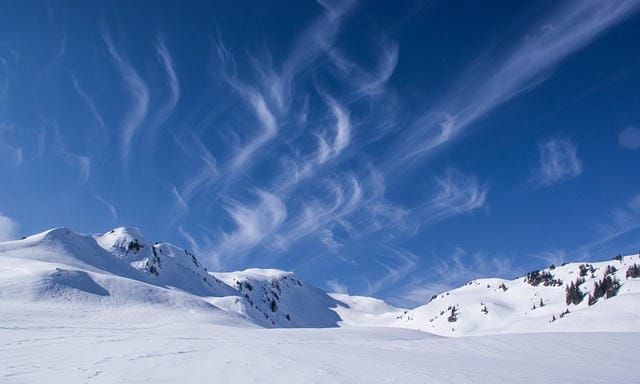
x: 121, y: 267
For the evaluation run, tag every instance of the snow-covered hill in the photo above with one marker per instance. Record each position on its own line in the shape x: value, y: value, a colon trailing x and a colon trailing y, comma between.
x: 277, y: 298
x: 133, y: 311
x: 121, y: 268
x: 602, y: 296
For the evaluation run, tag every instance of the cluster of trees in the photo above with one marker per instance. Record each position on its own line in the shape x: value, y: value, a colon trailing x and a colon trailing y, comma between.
x: 545, y: 278
x: 453, y: 317
x: 134, y: 246
x: 573, y: 294
x: 607, y: 287
x: 193, y: 258
x: 584, y: 269
x: 633, y: 271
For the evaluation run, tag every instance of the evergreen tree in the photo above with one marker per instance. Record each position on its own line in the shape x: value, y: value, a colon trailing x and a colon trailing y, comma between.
x: 633, y: 271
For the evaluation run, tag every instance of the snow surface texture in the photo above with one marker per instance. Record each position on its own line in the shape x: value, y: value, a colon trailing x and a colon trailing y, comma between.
x: 116, y: 308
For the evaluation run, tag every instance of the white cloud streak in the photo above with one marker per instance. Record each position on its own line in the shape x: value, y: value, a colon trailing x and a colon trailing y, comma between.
x: 455, y: 193
x: 456, y: 269
x: 402, y: 264
x: 87, y: 100
x: 198, y: 182
x: 110, y: 207
x: 253, y: 224
x: 572, y: 26
x: 336, y: 287
x: 364, y: 83
x: 311, y: 45
x: 8, y: 228
x: 267, y: 122
x: 11, y: 152
x: 624, y: 220
x: 558, y: 162
x: 80, y: 162
x: 174, y: 85
x: 138, y: 93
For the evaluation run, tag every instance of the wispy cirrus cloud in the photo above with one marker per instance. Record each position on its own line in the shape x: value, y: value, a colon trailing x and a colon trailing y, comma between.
x: 10, y: 151
x: 8, y: 228
x: 254, y: 222
x: 267, y: 122
x: 345, y: 196
x: 558, y: 162
x: 336, y: 287
x: 312, y: 44
x: 172, y: 79
x: 615, y: 233
x: 455, y: 193
x: 196, y: 183
x: 373, y: 82
x: 87, y: 100
x: 355, y: 206
x: 138, y: 93
x: 81, y: 163
x: 400, y: 264
x: 342, y: 132
x: 454, y: 270
x: 570, y: 27
x: 110, y: 207
x: 256, y: 103
x: 623, y: 220
x: 553, y: 256
x: 629, y: 138
x: 327, y: 237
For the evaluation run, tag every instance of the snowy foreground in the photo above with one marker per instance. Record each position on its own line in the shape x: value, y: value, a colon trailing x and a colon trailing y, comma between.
x: 42, y: 344
x: 116, y: 308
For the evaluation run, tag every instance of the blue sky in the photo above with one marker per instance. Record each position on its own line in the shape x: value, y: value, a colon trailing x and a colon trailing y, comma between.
x: 387, y: 150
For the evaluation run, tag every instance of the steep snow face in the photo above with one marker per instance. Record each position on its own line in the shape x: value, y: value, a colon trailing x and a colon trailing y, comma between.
x: 561, y: 298
x: 121, y: 267
x: 69, y: 260
x: 275, y: 298
x: 162, y: 264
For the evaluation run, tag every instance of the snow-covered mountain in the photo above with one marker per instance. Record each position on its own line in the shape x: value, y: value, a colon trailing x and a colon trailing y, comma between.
x: 121, y: 268
x: 601, y: 296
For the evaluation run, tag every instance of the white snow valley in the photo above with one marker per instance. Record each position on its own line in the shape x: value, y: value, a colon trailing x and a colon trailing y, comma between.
x: 117, y: 308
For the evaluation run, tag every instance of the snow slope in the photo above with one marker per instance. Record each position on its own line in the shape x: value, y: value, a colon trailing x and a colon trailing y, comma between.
x: 41, y: 344
x: 277, y: 298
x: 492, y: 306
x: 115, y: 308
x: 121, y: 267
